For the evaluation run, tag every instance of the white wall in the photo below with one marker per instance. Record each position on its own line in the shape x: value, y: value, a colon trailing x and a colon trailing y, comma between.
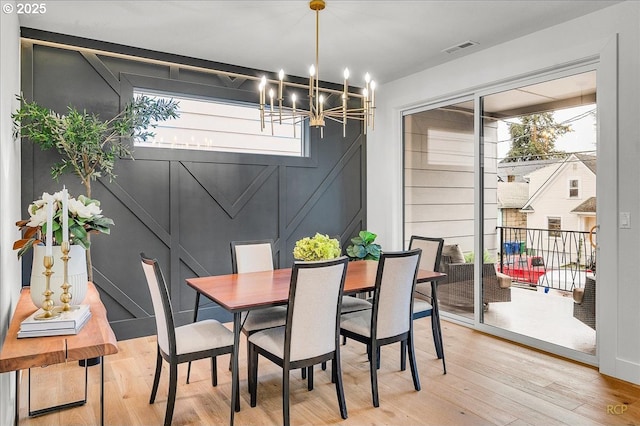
x: 9, y: 192
x: 592, y: 36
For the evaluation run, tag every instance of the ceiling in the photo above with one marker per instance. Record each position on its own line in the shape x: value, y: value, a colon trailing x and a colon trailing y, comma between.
x: 389, y: 39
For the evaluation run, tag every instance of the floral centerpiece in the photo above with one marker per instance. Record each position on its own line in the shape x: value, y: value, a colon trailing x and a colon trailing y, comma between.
x: 320, y: 247
x: 84, y: 215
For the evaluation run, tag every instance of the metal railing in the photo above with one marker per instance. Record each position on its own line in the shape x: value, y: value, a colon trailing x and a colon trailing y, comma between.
x: 554, y: 259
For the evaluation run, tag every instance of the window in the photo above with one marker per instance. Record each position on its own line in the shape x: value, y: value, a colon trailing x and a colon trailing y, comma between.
x: 574, y: 188
x: 554, y: 225
x: 218, y: 125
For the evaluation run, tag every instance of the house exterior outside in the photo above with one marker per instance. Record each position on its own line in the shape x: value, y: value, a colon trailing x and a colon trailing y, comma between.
x: 557, y: 190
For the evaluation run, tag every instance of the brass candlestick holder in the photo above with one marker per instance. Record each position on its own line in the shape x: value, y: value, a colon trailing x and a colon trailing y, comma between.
x: 47, y: 304
x: 65, y: 297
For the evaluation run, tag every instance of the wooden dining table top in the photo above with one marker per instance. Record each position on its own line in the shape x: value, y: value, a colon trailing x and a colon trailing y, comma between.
x: 241, y: 292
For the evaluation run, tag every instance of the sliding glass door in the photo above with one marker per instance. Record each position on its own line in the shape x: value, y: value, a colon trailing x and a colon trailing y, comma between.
x: 507, y: 177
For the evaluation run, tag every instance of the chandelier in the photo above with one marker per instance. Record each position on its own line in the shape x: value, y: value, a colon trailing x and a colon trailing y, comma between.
x: 316, y: 113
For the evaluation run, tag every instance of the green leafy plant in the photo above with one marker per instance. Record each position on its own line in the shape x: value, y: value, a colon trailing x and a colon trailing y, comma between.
x: 363, y: 247
x: 89, y: 146
x: 320, y: 247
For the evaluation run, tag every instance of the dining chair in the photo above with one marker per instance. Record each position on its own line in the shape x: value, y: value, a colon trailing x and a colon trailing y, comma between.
x: 312, y: 331
x: 191, y: 342
x: 391, y: 318
x: 425, y: 302
x: 246, y: 257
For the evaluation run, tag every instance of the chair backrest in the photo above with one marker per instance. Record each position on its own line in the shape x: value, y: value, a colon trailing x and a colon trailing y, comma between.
x: 251, y: 256
x: 395, y: 284
x: 431, y: 251
x: 165, y: 327
x: 315, y: 299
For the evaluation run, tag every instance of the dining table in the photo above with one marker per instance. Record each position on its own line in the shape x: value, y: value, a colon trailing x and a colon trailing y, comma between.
x: 237, y: 293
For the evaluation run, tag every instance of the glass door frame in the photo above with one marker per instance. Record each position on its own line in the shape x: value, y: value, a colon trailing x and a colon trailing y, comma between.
x: 477, y: 94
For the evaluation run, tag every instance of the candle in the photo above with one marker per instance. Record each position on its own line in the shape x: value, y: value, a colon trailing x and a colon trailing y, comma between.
x: 49, y: 238
x: 65, y: 215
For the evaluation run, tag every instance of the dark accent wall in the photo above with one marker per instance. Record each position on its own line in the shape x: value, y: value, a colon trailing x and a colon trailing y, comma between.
x: 185, y: 207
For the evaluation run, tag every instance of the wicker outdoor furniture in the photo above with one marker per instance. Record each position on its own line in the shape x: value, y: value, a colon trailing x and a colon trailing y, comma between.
x: 584, y: 302
x: 457, y: 289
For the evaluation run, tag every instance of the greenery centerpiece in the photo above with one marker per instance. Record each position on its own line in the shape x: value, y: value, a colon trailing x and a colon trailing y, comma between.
x: 89, y: 146
x: 319, y: 247
x: 364, y: 247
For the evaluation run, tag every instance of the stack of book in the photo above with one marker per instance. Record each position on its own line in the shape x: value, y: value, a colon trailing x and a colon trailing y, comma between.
x: 69, y: 322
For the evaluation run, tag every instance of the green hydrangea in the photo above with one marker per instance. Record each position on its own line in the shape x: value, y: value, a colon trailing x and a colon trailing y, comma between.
x: 320, y: 247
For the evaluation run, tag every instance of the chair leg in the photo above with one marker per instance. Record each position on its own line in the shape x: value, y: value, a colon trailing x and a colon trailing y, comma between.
x: 171, y: 398
x: 310, y: 376
x: 285, y: 395
x: 214, y: 371
x: 195, y: 318
x: 303, y: 373
x: 403, y: 355
x: 156, y: 379
x: 412, y: 362
x: 253, y: 374
x: 324, y: 365
x: 373, y: 368
x: 336, y: 373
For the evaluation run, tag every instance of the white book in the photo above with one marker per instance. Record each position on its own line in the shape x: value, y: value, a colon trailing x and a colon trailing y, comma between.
x: 66, y: 320
x: 56, y: 331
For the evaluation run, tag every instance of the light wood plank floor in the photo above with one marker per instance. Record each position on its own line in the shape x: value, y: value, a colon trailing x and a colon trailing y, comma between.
x: 489, y: 382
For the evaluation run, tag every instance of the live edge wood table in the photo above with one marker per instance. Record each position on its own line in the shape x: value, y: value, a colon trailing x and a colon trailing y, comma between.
x: 95, y: 340
x: 244, y: 292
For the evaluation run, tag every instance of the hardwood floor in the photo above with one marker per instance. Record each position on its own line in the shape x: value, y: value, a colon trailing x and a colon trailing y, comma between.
x: 489, y: 381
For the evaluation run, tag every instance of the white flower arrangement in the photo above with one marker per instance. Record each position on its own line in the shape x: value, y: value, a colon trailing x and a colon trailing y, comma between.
x: 85, y: 216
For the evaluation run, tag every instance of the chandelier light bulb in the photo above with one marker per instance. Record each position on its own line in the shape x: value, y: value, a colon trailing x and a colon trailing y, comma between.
x: 367, y: 78
x: 281, y: 75
x: 312, y: 70
x: 346, y: 73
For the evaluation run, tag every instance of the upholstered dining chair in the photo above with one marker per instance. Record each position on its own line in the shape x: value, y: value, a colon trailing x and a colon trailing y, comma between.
x: 246, y: 257
x: 198, y: 340
x: 423, y: 300
x: 391, y: 318
x: 311, y: 334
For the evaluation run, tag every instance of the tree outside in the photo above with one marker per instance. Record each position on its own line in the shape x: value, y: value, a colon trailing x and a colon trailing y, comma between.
x: 534, y: 138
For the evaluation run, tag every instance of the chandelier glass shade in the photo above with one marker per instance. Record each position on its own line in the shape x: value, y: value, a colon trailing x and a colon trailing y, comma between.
x: 281, y: 111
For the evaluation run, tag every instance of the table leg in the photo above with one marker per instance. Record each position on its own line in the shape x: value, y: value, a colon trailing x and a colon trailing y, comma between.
x: 235, y: 391
x: 101, y: 391
x: 435, y: 323
x: 16, y: 418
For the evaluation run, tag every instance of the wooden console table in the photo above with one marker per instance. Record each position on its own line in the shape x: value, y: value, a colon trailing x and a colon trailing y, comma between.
x: 95, y: 340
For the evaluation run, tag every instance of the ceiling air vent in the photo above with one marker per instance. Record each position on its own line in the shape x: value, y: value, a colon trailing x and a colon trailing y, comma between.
x: 459, y: 46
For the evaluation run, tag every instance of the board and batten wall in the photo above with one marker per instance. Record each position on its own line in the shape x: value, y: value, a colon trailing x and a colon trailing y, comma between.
x: 184, y: 207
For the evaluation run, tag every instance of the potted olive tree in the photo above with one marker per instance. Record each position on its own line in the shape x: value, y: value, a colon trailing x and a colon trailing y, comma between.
x: 89, y: 146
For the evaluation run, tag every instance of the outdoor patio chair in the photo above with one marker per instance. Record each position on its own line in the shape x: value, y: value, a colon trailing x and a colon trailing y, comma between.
x: 584, y: 302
